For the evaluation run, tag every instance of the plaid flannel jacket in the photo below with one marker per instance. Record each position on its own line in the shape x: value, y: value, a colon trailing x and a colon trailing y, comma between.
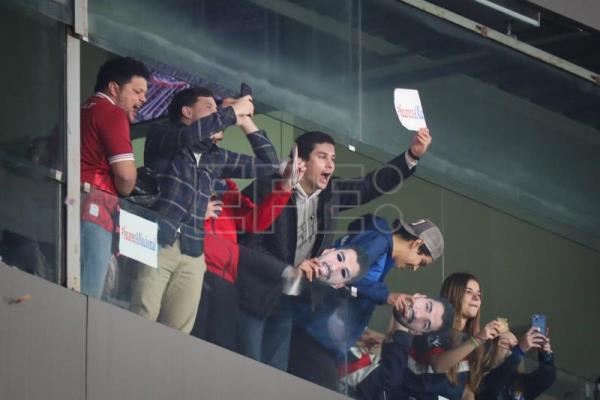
x: 185, y: 185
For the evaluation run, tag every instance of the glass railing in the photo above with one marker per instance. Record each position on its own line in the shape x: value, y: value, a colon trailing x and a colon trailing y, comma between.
x: 30, y: 217
x: 209, y: 297
x: 312, y: 324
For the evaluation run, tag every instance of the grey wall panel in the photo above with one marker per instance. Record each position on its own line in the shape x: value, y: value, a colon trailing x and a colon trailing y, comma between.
x: 585, y: 11
x: 132, y: 358
x: 42, y: 340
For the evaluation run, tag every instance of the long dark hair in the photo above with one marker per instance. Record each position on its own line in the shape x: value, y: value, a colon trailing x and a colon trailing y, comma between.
x: 454, y: 289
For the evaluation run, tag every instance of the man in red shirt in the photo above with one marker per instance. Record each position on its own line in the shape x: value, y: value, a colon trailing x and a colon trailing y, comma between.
x: 107, y: 163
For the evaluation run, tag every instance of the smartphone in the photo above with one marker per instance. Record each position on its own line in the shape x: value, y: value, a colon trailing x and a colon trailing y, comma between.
x: 538, y: 322
x: 295, y: 177
x: 245, y: 90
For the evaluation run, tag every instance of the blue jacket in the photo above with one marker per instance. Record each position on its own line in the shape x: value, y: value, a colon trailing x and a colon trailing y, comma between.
x: 340, y: 319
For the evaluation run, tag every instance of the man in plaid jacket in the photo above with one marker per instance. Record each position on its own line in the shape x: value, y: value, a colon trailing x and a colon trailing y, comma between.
x: 185, y: 157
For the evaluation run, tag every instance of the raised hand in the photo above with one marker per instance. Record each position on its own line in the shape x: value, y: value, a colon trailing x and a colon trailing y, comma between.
x: 507, y: 340
x: 287, y: 174
x: 420, y: 142
x: 546, y: 348
x: 489, y: 331
x: 243, y: 107
x: 531, y: 339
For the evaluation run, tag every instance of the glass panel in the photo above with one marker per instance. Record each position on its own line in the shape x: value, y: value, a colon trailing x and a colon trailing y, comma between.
x: 278, y: 48
x: 32, y: 115
x: 499, y: 120
x: 496, y: 178
x: 61, y: 10
x: 498, y: 248
x: 31, y: 141
x: 30, y: 217
x: 334, y: 65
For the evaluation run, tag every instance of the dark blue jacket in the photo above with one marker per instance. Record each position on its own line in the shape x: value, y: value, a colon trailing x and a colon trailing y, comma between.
x: 383, y: 381
x: 499, y: 384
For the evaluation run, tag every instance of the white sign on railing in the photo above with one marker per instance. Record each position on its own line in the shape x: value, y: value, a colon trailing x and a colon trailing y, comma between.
x: 408, y: 107
x: 138, y: 238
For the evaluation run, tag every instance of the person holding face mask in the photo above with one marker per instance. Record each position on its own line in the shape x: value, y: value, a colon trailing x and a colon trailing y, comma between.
x: 451, y: 364
x: 326, y: 328
x: 412, y: 318
x: 304, y: 229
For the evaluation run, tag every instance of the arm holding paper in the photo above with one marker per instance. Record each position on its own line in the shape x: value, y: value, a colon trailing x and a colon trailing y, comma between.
x: 410, y: 113
x: 420, y: 142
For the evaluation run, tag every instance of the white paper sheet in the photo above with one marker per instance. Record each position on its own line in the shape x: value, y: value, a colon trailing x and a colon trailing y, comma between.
x: 408, y: 107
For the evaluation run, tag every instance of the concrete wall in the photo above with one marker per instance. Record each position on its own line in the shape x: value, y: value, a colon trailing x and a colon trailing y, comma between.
x: 60, y: 345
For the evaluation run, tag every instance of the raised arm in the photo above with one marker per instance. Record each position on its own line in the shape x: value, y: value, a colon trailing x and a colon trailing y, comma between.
x: 164, y: 141
x: 238, y: 165
x: 259, y: 217
x: 358, y: 191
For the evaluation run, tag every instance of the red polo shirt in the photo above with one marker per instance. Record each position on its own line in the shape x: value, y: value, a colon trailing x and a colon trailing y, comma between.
x: 105, y: 139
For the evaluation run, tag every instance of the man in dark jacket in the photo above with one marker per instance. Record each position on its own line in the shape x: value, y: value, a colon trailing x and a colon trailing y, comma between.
x: 304, y: 229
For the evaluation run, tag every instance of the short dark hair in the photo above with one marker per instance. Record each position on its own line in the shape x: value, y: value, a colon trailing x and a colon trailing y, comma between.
x: 362, y: 258
x: 120, y: 70
x: 307, y: 141
x: 447, y: 316
x: 398, y: 229
x: 186, y: 98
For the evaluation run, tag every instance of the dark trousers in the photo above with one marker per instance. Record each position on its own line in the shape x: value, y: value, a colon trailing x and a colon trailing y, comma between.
x: 216, y: 321
x: 311, y: 361
x: 267, y: 339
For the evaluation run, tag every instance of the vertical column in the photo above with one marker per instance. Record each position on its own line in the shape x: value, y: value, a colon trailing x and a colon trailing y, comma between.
x: 72, y: 200
x: 80, y: 19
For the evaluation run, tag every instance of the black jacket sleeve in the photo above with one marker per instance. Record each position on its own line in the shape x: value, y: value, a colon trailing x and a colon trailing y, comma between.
x: 354, y: 192
x: 499, y: 377
x: 538, y: 381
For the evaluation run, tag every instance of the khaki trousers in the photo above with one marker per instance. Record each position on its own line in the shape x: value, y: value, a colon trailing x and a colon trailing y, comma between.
x: 170, y: 295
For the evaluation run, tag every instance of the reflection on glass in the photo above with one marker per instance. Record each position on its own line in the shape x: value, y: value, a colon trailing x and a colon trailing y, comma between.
x: 35, y: 76
x: 31, y: 141
x: 333, y: 66
x: 30, y: 217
